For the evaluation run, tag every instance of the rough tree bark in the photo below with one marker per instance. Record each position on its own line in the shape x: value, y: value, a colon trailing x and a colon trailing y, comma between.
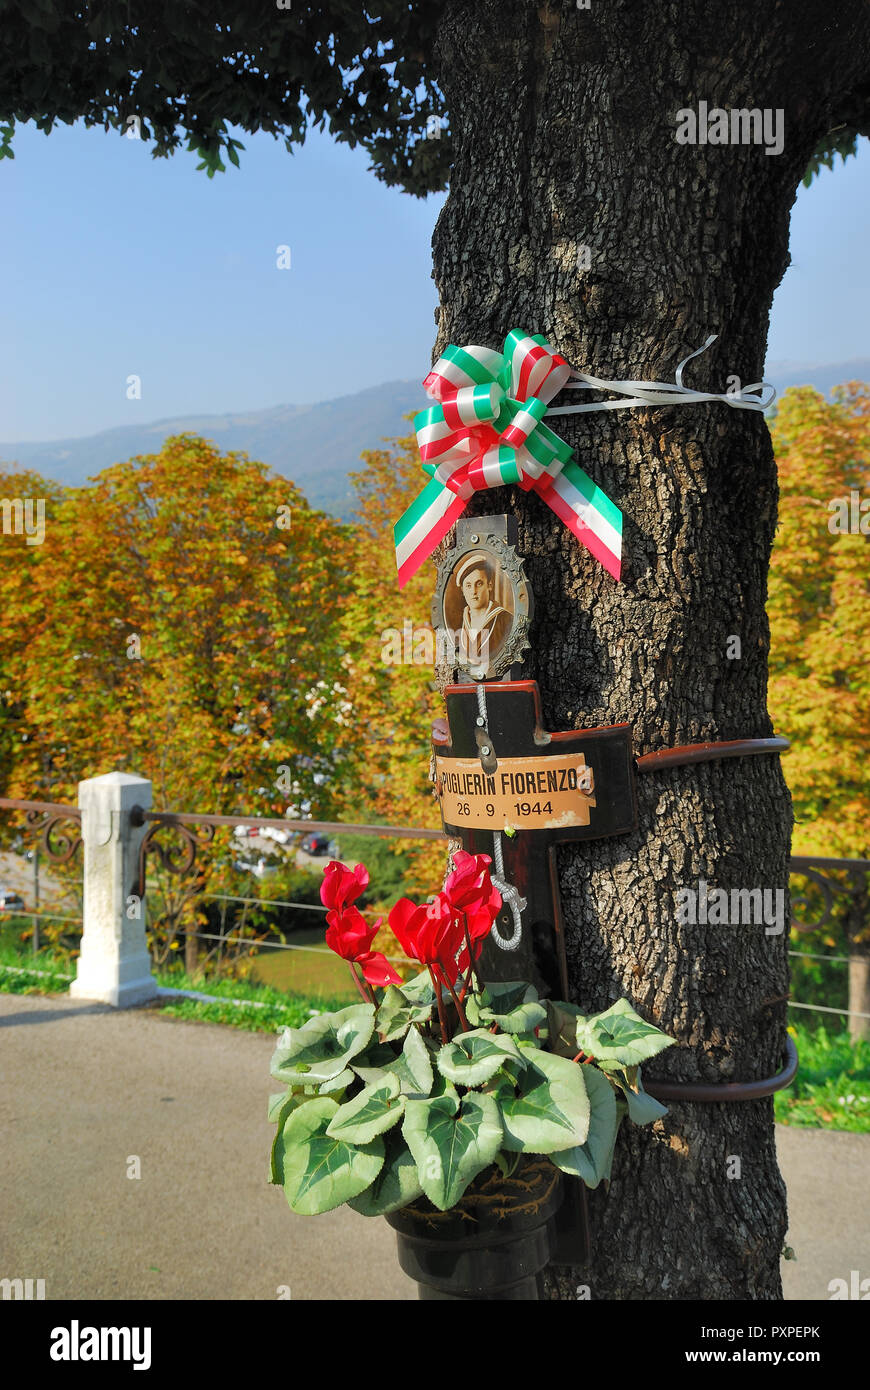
x: 564, y: 122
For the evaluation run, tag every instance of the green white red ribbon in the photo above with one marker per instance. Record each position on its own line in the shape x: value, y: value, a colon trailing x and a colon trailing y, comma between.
x: 487, y: 431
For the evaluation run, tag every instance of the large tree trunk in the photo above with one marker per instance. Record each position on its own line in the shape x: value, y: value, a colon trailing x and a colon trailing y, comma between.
x: 564, y: 122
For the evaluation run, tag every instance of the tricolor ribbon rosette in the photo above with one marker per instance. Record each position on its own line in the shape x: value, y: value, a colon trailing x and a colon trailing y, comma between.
x: 487, y: 431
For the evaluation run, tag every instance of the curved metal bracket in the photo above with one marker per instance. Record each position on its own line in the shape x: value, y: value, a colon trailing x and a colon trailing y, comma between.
x: 716, y: 1092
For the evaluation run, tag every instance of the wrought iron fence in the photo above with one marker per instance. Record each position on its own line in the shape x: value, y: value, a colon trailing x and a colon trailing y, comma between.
x: 196, y: 832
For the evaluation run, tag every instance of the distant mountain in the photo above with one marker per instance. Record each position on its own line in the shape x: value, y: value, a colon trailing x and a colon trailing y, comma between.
x: 316, y: 446
x: 824, y: 376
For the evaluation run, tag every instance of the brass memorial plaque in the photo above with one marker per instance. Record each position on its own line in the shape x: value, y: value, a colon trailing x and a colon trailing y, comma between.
x: 546, y: 793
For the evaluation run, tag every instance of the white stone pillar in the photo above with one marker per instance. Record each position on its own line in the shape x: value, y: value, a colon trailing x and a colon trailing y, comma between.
x: 114, y: 966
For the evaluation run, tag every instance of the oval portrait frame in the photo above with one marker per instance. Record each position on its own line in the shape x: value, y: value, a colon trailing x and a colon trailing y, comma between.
x: 509, y: 572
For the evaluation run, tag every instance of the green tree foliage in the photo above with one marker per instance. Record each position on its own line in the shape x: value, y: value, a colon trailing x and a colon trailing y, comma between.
x: 188, y: 71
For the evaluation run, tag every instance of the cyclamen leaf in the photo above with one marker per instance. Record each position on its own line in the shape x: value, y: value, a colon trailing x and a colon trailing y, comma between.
x: 522, y: 1019
x: 278, y: 1103
x: 337, y: 1083
x: 412, y: 1067
x: 323, y: 1046
x: 643, y: 1109
x: 397, y: 1184
x: 451, y: 1143
x: 397, y: 1012
x: 592, y: 1160
x: 280, y: 1107
x: 472, y: 1058
x: 620, y: 1035
x: 419, y: 989
x: 374, y: 1110
x: 499, y: 996
x: 320, y: 1172
x: 562, y: 1027
x: 550, y: 1108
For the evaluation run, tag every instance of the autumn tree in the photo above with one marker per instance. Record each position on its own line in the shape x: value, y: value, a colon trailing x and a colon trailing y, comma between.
x: 575, y: 211
x: 27, y: 506
x: 819, y: 608
x: 390, y: 659
x: 182, y: 622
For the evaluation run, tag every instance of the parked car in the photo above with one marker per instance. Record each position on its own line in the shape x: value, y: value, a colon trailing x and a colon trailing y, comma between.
x: 260, y: 868
x: 281, y: 837
x: 316, y: 844
x: 10, y: 901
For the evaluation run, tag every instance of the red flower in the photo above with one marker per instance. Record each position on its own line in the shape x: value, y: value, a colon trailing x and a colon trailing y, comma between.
x: 469, y: 880
x: 432, y: 933
x: 348, y: 935
x: 342, y: 885
x: 347, y: 932
x: 470, y: 890
x: 377, y: 969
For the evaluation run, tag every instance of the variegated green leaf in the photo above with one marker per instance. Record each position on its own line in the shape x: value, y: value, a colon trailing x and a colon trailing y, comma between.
x: 374, y: 1110
x: 337, y: 1086
x: 412, y: 1066
x: 320, y: 1172
x: 513, y: 1005
x: 398, y: 1011
x: 549, y: 1110
x: 620, y: 1036
x: 451, y: 1142
x: 323, y: 1046
x: 280, y: 1106
x: 592, y: 1159
x: 643, y: 1109
x: 397, y: 1184
x: 472, y: 1058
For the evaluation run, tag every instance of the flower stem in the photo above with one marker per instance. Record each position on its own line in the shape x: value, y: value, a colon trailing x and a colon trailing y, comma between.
x: 369, y: 999
x: 441, y: 1018
x: 472, y: 966
x: 459, y: 1009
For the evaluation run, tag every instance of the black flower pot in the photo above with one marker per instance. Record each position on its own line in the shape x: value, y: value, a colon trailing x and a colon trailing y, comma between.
x: 492, y: 1245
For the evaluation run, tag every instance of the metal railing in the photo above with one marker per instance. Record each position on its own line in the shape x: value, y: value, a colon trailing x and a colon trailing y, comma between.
x: 44, y: 820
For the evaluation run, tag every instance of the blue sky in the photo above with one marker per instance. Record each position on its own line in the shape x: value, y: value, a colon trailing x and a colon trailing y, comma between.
x: 119, y: 264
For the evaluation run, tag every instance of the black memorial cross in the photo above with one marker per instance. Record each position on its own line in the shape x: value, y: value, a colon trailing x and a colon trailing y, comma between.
x: 509, y: 789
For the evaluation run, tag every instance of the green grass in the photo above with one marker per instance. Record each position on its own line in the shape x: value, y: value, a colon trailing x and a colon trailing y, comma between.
x: 269, y: 1008
x: 832, y: 1087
